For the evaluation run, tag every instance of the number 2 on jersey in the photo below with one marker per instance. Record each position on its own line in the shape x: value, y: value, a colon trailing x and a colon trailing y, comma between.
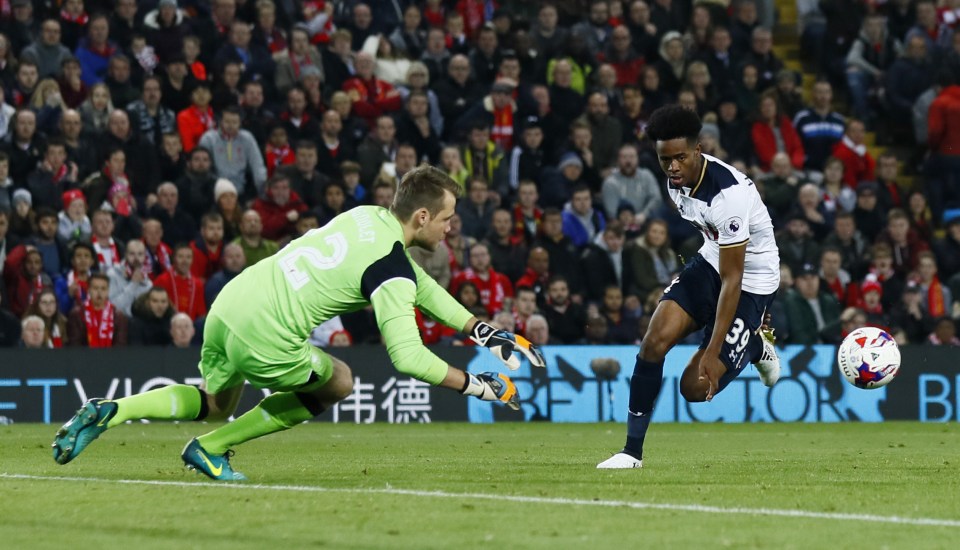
x: 315, y: 257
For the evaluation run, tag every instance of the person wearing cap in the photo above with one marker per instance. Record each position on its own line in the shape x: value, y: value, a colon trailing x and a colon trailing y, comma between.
x: 73, y: 222
x: 558, y: 184
x: 528, y: 157
x: 867, y: 214
x: 813, y: 314
x: 872, y: 301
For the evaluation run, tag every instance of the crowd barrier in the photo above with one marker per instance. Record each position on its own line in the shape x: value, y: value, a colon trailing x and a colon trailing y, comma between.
x: 49, y: 385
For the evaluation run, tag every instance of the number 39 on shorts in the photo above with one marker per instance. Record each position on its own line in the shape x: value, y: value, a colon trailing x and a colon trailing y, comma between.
x: 737, y: 336
x: 315, y: 257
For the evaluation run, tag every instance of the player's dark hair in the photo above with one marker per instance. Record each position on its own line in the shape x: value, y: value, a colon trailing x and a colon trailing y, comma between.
x: 674, y: 122
x: 422, y: 187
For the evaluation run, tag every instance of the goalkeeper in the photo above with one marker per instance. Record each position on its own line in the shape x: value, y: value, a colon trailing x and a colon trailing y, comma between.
x: 257, y: 330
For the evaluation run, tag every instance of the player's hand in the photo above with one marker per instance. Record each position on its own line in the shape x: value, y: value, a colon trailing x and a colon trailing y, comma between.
x: 492, y: 386
x: 711, y: 369
x: 503, y: 343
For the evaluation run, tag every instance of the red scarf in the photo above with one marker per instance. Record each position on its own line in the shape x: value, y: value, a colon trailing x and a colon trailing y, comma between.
x: 80, y: 19
x: 61, y: 173
x: 106, y: 51
x: 299, y: 65
x: 935, y: 304
x: 37, y: 288
x: 278, y: 156
x: 183, y: 303
x: 502, y: 131
x: 56, y: 339
x: 162, y: 254
x: 102, y: 259
x: 99, y: 325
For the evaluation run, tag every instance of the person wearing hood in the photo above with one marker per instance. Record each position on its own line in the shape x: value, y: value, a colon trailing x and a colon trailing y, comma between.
x: 872, y: 53
x: 672, y: 64
x: 165, y: 29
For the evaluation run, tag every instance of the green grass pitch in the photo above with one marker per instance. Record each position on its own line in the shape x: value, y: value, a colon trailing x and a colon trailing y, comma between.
x: 492, y: 486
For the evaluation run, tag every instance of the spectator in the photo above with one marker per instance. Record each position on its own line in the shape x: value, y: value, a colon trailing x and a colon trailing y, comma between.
x: 299, y: 119
x: 255, y: 246
x: 527, y: 216
x: 47, y: 51
x: 23, y: 144
x: 197, y: 119
x: 852, y: 151
x: 177, y: 92
x: 581, y: 222
x: 96, y: 108
x: 414, y: 127
x: 52, y: 177
x: 834, y: 278
x: 620, y: 53
x: 72, y: 288
x: 944, y: 333
x: 809, y: 205
x: 141, y: 155
x: 122, y: 90
x: 770, y: 124
x: 881, y: 272
x: 566, y: 318
x: 528, y: 157
x: 233, y: 263
x: 837, y: 196
x: 95, y: 50
x: 207, y: 247
x: 813, y: 315
x: 868, y: 216
x: 508, y: 253
x: 254, y: 58
x: 630, y: 184
x: 23, y: 220
x: 525, y: 305
x: 158, y: 253
x: 235, y: 153
x: 781, y: 186
x: 761, y: 56
x: 185, y: 290
x: 735, y: 134
x: 603, y: 264
x: 562, y: 251
x: 890, y: 193
x: 906, y: 79
x: 48, y: 243
x: 329, y: 153
x: 937, y: 35
x: 131, y: 278
x: 537, y: 273
x: 476, y: 212
x: 178, y: 226
x: 494, y: 287
x: 947, y: 250
x: 195, y: 188
x: 24, y: 277
x: 31, y: 333
x: 54, y: 325
x: 458, y: 243
x: 108, y: 251
x: 457, y: 92
x: 904, y: 241
x: 538, y: 331
x: 484, y: 159
x: 606, y: 133
x: 871, y: 302
x: 796, y: 244
x: 80, y: 150
x: 256, y: 117
x: 622, y: 327
x: 652, y: 261
x: 96, y: 323
x: 938, y: 299
x: 371, y: 96
x: 181, y: 330
x: 173, y: 162
x: 819, y: 127
x: 379, y: 147
x: 150, y: 322
x: 151, y: 118
x: 549, y: 39
x: 279, y: 209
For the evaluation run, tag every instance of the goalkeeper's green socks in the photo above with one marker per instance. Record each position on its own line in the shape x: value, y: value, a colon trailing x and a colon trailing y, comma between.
x: 277, y: 412
x: 178, y: 402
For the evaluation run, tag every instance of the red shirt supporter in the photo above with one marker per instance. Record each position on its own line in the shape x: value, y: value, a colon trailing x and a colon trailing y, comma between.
x: 858, y: 164
x: 196, y: 119
x: 96, y: 323
x: 765, y: 143
x: 943, y: 122
x: 159, y: 255
x: 185, y: 290
x: 281, y: 209
x: 24, y: 276
x: 431, y: 332
x: 208, y: 247
x: 494, y: 287
x: 371, y: 96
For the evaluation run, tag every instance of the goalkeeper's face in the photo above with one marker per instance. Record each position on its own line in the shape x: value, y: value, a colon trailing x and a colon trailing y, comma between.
x: 434, y: 228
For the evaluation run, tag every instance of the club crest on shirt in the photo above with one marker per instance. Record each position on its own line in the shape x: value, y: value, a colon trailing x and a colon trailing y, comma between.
x: 733, y: 225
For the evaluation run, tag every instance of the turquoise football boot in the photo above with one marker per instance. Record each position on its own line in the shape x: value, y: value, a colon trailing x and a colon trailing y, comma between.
x: 213, y: 466
x: 85, y: 426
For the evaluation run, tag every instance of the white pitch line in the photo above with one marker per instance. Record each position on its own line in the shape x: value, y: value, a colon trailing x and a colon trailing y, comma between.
x: 803, y: 514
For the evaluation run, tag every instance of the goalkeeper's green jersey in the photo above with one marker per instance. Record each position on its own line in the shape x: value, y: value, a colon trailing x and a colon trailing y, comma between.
x: 357, y: 259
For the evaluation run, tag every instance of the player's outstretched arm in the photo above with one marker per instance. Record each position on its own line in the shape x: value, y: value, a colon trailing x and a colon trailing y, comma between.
x: 486, y: 386
x: 502, y: 344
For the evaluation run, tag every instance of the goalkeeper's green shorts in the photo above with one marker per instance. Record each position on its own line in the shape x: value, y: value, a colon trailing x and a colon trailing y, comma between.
x: 226, y: 360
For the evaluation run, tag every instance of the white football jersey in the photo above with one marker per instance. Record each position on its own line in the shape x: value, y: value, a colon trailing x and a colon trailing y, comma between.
x: 726, y: 207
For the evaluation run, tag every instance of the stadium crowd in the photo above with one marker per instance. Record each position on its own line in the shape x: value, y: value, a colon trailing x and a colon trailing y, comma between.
x: 151, y: 150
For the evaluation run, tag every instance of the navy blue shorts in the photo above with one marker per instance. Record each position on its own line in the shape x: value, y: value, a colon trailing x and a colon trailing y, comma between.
x: 697, y: 290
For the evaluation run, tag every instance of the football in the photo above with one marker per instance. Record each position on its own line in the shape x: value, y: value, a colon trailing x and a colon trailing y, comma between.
x: 869, y: 358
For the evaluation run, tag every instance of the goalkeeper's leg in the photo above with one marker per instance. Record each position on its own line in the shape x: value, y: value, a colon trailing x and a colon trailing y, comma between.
x: 281, y: 411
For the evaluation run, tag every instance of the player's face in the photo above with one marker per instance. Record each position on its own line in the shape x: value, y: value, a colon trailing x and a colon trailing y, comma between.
x: 436, y: 227
x: 681, y: 162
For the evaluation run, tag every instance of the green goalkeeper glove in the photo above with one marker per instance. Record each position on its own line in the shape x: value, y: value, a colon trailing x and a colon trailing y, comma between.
x: 503, y: 343
x: 492, y: 386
